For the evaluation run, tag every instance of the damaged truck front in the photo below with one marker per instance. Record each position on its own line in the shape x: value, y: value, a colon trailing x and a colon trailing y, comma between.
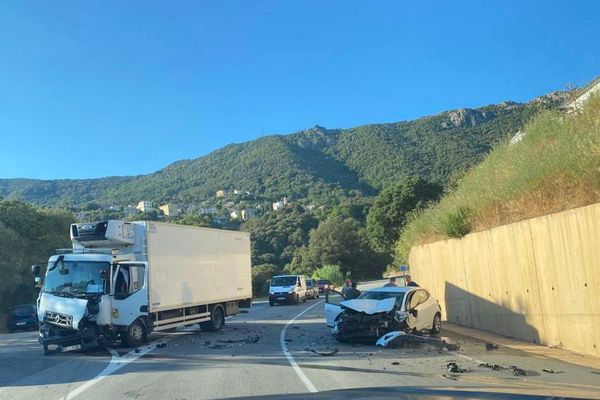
x: 74, y: 306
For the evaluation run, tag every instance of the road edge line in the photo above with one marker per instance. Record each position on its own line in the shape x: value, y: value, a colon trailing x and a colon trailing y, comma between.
x: 307, y: 383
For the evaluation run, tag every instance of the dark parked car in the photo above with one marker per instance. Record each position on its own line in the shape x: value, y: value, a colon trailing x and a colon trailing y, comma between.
x: 312, y: 292
x: 323, y: 285
x: 23, y: 317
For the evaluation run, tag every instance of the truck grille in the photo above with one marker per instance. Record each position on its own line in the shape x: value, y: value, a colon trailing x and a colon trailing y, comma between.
x: 58, y: 319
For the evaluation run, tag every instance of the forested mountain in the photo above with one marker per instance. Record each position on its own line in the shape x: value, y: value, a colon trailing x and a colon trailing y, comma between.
x: 317, y: 165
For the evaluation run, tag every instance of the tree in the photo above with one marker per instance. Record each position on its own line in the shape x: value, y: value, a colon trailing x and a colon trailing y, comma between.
x: 332, y: 273
x: 261, y: 274
x: 341, y: 242
x: 388, y: 215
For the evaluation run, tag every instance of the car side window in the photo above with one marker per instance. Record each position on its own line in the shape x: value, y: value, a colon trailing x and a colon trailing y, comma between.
x: 417, y: 297
x: 333, y: 297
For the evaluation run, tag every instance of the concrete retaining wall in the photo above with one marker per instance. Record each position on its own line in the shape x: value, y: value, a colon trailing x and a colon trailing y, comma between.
x: 537, y: 280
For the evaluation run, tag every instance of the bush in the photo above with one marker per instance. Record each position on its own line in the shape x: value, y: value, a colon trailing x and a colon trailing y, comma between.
x: 456, y: 224
x: 261, y: 275
x: 332, y: 273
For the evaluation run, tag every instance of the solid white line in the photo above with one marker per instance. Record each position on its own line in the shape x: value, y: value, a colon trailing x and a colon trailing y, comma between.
x: 116, y: 363
x: 307, y: 383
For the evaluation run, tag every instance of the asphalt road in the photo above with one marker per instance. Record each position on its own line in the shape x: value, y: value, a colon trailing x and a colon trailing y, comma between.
x: 268, y: 352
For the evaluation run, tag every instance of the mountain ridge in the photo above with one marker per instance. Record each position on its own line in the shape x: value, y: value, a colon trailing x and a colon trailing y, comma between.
x: 314, y: 165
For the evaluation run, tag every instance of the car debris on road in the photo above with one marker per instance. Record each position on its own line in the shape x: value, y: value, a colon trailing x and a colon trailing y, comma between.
x: 400, y: 338
x: 498, y: 367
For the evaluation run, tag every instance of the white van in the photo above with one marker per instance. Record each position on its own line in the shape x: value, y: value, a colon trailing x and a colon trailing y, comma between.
x: 287, y: 289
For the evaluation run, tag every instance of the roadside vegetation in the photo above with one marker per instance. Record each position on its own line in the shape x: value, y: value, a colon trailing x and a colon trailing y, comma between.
x: 27, y: 236
x: 555, y: 167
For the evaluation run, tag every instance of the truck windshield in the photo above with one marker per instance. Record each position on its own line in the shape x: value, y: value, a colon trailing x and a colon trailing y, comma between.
x: 283, y: 281
x: 75, y: 277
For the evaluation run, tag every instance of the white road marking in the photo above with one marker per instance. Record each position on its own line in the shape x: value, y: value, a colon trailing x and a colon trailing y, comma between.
x: 307, y: 383
x: 116, y: 363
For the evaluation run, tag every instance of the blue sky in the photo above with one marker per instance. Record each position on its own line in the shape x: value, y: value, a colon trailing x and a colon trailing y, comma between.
x: 90, y: 89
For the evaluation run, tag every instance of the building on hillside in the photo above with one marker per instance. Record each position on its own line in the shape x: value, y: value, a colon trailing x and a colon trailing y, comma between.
x: 221, y: 193
x: 115, y: 208
x: 248, y: 213
x: 145, y: 206
x: 592, y: 88
x: 171, y: 209
x: 229, y: 204
x: 237, y: 191
x: 130, y: 211
x: 235, y: 214
x: 280, y: 204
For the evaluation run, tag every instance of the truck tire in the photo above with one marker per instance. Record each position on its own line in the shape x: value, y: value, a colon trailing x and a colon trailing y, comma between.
x: 436, y: 327
x: 217, y: 320
x: 135, y: 335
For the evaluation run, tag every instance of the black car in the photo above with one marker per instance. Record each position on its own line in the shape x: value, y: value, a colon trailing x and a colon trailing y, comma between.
x: 22, y: 317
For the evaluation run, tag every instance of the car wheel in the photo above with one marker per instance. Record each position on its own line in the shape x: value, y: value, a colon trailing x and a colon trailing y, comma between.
x: 270, y: 302
x: 437, y: 324
x: 136, y: 334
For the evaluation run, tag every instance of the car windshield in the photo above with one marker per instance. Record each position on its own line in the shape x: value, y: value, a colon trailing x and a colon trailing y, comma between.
x: 283, y: 281
x: 374, y: 295
x: 74, y: 277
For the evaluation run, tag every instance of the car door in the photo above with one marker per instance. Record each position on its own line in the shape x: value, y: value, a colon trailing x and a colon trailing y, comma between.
x: 430, y: 307
x: 332, y: 306
x: 417, y: 310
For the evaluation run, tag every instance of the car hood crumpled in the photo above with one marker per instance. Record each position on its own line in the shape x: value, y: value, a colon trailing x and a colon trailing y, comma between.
x: 368, y: 306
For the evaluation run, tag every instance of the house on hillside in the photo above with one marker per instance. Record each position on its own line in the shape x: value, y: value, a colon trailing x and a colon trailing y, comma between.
x: 171, y: 209
x: 130, y: 211
x: 235, y: 214
x: 248, y: 213
x: 220, y: 193
x: 280, y: 204
x: 145, y: 206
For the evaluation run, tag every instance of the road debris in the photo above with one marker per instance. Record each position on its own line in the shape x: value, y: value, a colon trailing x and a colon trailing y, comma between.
x: 551, y: 371
x: 161, y: 345
x: 395, y: 363
x: 248, y: 340
x: 453, y: 368
x: 497, y: 367
x: 401, y: 339
x: 324, y: 352
x: 491, y: 346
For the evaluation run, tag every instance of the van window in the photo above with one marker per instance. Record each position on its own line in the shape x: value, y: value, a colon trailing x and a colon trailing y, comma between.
x: 284, y: 281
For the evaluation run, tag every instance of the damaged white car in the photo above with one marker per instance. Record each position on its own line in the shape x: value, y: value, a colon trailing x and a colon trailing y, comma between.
x: 382, y: 310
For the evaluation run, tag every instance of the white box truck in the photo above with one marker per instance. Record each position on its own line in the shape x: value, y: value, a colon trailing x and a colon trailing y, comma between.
x: 123, y: 280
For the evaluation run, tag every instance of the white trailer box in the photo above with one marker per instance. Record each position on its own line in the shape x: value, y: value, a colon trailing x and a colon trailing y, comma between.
x: 189, y: 266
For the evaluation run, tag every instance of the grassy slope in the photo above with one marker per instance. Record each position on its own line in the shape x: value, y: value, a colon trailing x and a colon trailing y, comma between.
x: 555, y: 167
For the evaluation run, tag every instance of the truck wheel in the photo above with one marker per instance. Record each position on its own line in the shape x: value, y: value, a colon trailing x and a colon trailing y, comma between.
x: 217, y: 320
x: 437, y: 324
x: 136, y: 334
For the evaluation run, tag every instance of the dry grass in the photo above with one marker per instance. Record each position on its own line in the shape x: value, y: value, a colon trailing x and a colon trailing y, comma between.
x: 554, y: 168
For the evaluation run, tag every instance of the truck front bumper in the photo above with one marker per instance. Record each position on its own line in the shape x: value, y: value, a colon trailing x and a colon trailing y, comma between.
x: 66, y: 339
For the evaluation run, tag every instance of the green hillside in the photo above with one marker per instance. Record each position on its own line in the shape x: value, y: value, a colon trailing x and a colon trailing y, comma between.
x: 316, y: 165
